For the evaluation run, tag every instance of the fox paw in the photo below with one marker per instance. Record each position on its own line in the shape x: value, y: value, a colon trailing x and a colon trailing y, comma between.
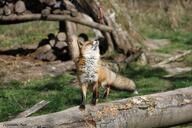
x: 94, y: 102
x: 82, y: 107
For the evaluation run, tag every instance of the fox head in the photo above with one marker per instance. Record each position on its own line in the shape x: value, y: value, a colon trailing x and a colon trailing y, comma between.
x: 89, y: 49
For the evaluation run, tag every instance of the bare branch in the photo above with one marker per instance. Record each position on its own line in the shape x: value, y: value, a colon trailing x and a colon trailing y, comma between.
x: 32, y: 17
x: 33, y: 109
x: 173, y: 58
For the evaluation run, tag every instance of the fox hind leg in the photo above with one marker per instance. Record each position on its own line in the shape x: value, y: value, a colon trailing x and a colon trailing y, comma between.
x: 106, y: 93
x: 83, y: 95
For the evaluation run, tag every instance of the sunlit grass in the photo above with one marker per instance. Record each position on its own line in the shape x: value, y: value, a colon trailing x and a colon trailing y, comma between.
x: 16, y: 97
x: 26, y: 33
x: 179, y: 40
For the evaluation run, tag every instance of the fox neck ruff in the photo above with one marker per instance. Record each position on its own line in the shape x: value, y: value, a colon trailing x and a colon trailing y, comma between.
x: 90, y: 67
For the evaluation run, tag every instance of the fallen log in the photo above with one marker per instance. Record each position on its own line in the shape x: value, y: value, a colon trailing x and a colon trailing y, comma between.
x: 32, y: 17
x: 155, y: 110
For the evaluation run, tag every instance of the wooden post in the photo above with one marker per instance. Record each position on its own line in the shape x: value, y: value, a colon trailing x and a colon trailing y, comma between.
x: 70, y: 29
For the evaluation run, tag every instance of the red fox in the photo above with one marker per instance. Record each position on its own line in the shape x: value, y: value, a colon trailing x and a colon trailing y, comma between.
x: 92, y: 75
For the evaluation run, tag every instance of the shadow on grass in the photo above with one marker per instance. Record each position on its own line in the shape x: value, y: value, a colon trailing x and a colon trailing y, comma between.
x: 147, y: 79
x: 16, y: 97
x: 150, y: 80
x: 180, y: 81
x: 58, y: 90
x: 136, y: 71
x: 180, y: 40
x: 19, y: 51
x: 58, y: 83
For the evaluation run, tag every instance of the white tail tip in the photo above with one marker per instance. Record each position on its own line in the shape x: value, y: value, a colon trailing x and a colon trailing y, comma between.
x: 136, y: 92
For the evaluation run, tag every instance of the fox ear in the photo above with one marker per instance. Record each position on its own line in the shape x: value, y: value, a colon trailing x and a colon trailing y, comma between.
x: 80, y: 43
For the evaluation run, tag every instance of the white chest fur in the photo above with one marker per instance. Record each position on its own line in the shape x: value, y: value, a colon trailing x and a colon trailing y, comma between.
x: 90, y: 68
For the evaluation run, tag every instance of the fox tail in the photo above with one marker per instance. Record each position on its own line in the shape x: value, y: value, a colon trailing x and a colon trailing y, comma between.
x: 123, y: 83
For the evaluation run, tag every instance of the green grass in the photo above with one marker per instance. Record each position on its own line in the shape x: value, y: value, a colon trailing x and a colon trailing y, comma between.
x: 146, y: 78
x: 26, y: 33
x: 188, y: 60
x: 110, y: 54
x: 16, y: 97
x: 179, y: 40
x: 152, y: 80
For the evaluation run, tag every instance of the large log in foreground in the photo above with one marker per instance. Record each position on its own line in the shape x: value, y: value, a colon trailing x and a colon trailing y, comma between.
x: 155, y: 110
x: 32, y: 17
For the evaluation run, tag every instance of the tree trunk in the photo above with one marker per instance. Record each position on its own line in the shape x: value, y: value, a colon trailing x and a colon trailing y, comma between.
x: 114, y: 37
x: 70, y: 32
x: 72, y: 40
x: 92, y: 9
x: 155, y: 110
x: 125, y: 41
x: 99, y: 34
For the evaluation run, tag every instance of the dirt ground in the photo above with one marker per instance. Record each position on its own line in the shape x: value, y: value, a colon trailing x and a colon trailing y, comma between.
x: 17, y: 64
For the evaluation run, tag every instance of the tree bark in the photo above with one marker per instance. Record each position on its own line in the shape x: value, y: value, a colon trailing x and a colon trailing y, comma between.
x: 155, y: 110
x: 99, y: 34
x: 118, y: 39
x: 118, y: 36
x: 70, y: 32
x: 52, y: 17
x: 121, y: 40
x: 92, y: 9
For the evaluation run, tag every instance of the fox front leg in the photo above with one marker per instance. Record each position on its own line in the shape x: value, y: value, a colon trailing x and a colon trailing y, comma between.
x: 83, y: 96
x: 95, y: 93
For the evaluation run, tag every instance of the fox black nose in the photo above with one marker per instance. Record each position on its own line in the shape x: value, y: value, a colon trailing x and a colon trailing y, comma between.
x: 96, y: 42
x: 95, y: 45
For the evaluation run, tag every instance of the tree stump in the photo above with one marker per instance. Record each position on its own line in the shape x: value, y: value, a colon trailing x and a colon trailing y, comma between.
x: 20, y: 7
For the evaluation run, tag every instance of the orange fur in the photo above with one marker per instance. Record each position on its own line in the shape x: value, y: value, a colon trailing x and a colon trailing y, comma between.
x: 106, y: 78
